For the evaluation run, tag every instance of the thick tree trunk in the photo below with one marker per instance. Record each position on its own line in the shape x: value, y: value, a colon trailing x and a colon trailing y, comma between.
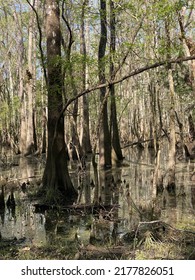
x: 114, y: 124
x: 104, y: 137
x: 56, y: 178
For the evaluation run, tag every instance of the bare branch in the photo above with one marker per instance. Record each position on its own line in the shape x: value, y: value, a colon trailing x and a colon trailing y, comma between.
x: 130, y: 48
x: 71, y: 41
x: 40, y: 40
x: 117, y: 81
x: 131, y: 74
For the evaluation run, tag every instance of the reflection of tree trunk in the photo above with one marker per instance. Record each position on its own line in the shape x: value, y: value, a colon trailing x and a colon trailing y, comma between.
x: 104, y: 133
x: 118, y: 182
x: 157, y: 177
x: 26, y: 168
x: 87, y: 189
x: 170, y: 201
x: 105, y: 186
x: 95, y: 184
x: 56, y: 177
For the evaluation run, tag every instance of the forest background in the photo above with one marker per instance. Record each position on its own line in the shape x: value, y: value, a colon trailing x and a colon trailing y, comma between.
x: 80, y: 81
x: 80, y: 77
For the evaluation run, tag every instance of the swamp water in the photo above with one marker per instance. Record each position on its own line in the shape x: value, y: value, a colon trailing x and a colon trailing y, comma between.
x: 125, y: 195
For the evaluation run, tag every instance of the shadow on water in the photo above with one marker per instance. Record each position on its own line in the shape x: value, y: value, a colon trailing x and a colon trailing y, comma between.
x: 121, y: 198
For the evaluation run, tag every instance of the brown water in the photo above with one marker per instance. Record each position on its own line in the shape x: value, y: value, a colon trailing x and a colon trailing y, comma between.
x: 129, y: 188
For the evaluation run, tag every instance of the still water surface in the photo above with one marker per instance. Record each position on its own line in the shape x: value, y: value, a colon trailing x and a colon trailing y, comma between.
x: 127, y: 190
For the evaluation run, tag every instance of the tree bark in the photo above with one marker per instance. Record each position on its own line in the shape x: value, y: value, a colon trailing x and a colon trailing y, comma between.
x: 85, y: 134
x: 104, y: 137
x: 172, y: 150
x: 114, y: 124
x: 172, y: 139
x: 187, y: 44
x: 27, y: 145
x: 76, y: 151
x: 56, y: 177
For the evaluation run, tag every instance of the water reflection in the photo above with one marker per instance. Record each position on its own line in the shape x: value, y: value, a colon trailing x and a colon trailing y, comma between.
x: 23, y: 224
x: 18, y: 218
x: 125, y: 194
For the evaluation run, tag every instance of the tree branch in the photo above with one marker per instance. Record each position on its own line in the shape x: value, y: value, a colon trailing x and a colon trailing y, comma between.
x: 40, y: 40
x: 117, y: 81
x: 131, y: 74
x: 130, y: 48
x: 71, y: 41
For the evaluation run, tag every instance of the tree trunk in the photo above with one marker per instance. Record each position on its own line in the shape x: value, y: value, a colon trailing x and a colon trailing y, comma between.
x: 104, y: 137
x: 153, y: 105
x: 76, y: 149
x: 114, y: 124
x: 27, y: 127
x: 85, y: 134
x: 172, y: 138
x: 22, y: 138
x: 172, y: 149
x: 56, y: 178
x: 188, y: 48
x: 191, y: 128
x: 44, y: 125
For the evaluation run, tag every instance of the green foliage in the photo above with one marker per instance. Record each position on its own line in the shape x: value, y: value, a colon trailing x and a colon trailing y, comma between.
x: 16, y: 103
x: 4, y: 110
x: 140, y: 36
x: 165, y: 9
